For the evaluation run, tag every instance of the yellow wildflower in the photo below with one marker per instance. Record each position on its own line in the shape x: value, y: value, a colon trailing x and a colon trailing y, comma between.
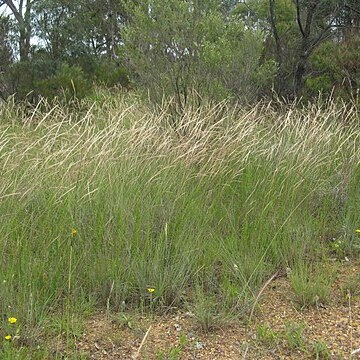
x: 12, y: 320
x: 150, y: 290
x: 73, y: 232
x: 8, y: 337
x: 357, y: 231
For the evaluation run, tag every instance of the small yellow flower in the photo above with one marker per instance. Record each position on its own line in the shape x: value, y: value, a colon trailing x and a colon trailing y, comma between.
x: 8, y: 337
x: 150, y: 290
x: 357, y: 231
x: 12, y: 320
x: 73, y: 232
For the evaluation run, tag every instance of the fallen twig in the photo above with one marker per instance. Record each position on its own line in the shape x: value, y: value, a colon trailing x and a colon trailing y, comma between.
x: 260, y: 293
x: 136, y: 356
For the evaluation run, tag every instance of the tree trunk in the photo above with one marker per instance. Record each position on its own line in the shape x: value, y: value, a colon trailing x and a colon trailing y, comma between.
x: 24, y: 23
x: 299, y: 74
x: 24, y: 44
x: 306, y: 45
x: 280, y: 85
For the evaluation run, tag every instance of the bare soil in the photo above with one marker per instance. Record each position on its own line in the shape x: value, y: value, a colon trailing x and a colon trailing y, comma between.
x: 177, y: 336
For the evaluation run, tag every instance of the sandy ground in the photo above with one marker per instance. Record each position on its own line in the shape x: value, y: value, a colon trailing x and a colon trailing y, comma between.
x: 177, y: 336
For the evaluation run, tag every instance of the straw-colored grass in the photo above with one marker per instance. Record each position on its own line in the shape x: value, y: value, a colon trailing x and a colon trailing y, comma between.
x: 209, y: 206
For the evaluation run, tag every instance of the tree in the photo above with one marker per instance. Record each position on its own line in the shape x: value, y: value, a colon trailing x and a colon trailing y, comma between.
x: 275, y: 18
x: 348, y: 21
x: 317, y: 21
x: 174, y: 47
x: 6, y: 55
x: 22, y: 14
x: 5, y: 45
x: 70, y: 28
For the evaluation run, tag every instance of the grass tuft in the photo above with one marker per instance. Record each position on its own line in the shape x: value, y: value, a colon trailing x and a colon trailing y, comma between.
x: 99, y: 205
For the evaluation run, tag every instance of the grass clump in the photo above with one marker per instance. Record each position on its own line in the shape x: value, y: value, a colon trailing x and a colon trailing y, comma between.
x: 351, y: 286
x: 321, y: 350
x: 311, y: 287
x: 224, y: 199
x: 267, y: 336
x: 294, y: 336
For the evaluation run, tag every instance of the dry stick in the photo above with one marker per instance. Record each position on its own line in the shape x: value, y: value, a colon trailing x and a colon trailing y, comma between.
x: 108, y: 299
x: 136, y: 356
x: 350, y: 320
x: 256, y: 301
x: 260, y: 293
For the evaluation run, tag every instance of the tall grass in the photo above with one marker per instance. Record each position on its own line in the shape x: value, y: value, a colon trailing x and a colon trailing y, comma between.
x: 213, y: 206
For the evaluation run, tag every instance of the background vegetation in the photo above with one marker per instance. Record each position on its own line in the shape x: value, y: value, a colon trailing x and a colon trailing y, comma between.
x: 245, y: 50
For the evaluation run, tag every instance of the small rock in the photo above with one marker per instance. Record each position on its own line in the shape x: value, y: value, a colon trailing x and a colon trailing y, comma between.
x: 199, y: 345
x: 288, y: 272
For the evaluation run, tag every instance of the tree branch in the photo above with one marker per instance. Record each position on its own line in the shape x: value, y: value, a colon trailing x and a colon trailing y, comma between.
x: 309, y: 18
x: 15, y: 11
x: 323, y: 34
x: 274, y: 28
x: 352, y: 9
x: 298, y: 17
x: 342, y: 26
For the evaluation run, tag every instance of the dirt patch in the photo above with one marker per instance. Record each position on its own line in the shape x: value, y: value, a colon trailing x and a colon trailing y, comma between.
x: 280, y: 330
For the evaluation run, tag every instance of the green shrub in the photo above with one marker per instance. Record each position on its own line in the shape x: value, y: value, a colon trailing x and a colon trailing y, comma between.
x: 68, y: 83
x: 111, y: 74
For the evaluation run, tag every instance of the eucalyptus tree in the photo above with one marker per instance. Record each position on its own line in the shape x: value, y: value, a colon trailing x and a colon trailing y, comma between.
x: 6, y: 51
x: 6, y: 55
x: 295, y: 29
x: 317, y: 21
x: 71, y: 28
x: 22, y: 12
x: 174, y: 47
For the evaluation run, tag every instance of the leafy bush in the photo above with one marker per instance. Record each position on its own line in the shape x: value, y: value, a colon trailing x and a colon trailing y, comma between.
x: 178, y: 47
x: 111, y: 74
x: 68, y: 83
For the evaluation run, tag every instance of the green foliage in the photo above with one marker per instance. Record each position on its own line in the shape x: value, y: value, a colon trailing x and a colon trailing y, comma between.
x: 183, y: 49
x: 351, y: 286
x: 294, y: 336
x: 111, y: 74
x: 6, y: 55
x: 321, y: 351
x: 68, y: 83
x: 319, y: 84
x: 267, y: 336
x: 205, y: 310
x: 176, y: 47
x: 311, y: 287
x: 24, y: 76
